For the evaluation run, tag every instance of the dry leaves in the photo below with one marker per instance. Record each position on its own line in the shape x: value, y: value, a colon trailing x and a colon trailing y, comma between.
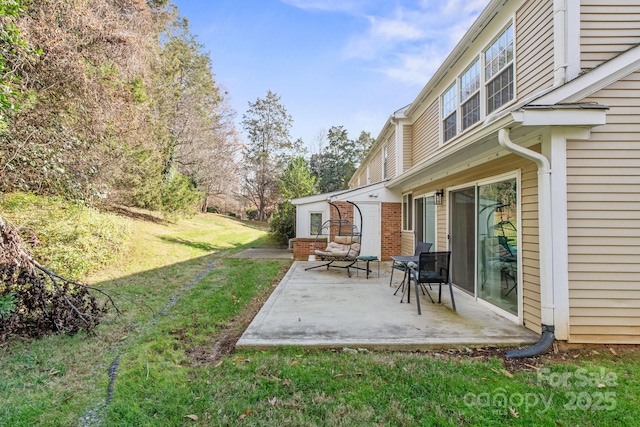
x: 245, y: 414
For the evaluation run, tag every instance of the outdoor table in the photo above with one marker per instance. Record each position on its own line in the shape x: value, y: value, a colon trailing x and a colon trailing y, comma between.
x: 405, y: 260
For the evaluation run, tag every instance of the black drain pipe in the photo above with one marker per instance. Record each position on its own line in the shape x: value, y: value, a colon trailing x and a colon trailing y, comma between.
x: 545, y: 343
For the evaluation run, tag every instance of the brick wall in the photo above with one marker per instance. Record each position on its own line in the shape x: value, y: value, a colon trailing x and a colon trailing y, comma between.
x: 391, y: 230
x: 390, y: 233
x: 304, y: 246
x: 346, y: 211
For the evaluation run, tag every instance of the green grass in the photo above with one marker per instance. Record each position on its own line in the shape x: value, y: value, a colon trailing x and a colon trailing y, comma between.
x: 69, y: 238
x: 57, y: 379
x: 184, y: 300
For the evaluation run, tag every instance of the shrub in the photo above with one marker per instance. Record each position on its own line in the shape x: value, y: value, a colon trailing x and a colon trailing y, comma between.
x: 179, y: 195
x: 69, y: 238
x: 283, y: 223
x: 252, y: 214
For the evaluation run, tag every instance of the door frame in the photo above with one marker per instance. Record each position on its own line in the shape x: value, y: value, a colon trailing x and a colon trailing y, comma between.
x: 517, y: 174
x: 416, y: 238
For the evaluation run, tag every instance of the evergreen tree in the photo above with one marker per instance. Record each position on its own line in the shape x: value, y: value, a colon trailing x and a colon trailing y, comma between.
x: 296, y: 181
x: 337, y: 162
x: 267, y: 125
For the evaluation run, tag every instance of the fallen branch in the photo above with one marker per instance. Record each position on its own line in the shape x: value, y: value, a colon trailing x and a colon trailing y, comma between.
x: 43, y: 300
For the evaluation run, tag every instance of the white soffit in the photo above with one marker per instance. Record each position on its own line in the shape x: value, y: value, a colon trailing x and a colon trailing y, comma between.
x: 561, y: 117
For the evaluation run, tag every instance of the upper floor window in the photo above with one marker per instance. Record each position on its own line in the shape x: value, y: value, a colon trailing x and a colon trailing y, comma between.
x: 470, y: 95
x: 467, y: 100
x: 498, y: 71
x: 384, y: 162
x: 449, y: 113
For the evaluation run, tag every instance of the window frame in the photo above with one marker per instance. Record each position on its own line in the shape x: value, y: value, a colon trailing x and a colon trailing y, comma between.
x: 311, y: 214
x: 507, y: 68
x: 446, y: 115
x: 481, y: 92
x: 473, y: 93
x: 384, y: 161
x: 407, y: 212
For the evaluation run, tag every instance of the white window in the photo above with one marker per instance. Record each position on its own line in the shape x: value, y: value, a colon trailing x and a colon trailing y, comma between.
x: 384, y: 162
x: 407, y: 206
x: 449, y: 113
x: 498, y: 71
x: 315, y: 221
x: 465, y: 102
x: 470, y: 95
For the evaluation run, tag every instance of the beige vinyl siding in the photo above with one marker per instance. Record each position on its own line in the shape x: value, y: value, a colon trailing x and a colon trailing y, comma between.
x: 607, y: 28
x: 603, y: 200
x: 391, y: 157
x: 407, y: 245
x: 534, y: 47
x: 376, y: 168
x: 407, y: 144
x: 529, y: 252
x: 426, y: 133
x: 362, y: 179
x: 442, y: 243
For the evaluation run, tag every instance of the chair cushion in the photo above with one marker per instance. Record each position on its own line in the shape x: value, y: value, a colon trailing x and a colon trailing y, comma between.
x: 336, y: 249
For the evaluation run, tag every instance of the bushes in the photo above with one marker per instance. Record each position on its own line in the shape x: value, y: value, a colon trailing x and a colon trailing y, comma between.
x: 180, y: 196
x: 71, y: 239
x: 283, y: 223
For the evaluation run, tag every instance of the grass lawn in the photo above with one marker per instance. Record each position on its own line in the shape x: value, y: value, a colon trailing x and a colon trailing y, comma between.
x: 169, y: 360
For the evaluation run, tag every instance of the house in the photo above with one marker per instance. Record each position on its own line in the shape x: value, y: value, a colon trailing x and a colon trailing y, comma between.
x: 377, y: 219
x: 521, y: 155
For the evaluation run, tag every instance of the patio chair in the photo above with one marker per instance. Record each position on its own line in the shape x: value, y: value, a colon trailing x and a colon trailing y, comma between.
x: 420, y: 247
x: 433, y: 269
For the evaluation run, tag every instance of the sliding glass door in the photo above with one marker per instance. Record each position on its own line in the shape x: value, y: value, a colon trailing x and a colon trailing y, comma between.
x: 462, y: 233
x: 498, y: 245
x: 483, y: 239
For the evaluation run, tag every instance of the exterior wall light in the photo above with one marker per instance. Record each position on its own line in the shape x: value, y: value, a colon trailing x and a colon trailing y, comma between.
x: 439, y: 195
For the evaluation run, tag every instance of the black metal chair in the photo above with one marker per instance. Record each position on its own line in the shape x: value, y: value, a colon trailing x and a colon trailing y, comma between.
x: 433, y: 269
x: 420, y: 247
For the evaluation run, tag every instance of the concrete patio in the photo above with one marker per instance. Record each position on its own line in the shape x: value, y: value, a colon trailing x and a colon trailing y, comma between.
x: 323, y: 308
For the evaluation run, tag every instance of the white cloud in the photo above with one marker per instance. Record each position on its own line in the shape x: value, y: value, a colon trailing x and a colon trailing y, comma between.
x: 412, y: 70
x: 410, y: 43
x: 349, y: 6
x: 395, y: 29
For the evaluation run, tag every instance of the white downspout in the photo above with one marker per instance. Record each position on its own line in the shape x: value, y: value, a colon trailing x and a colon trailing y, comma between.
x: 544, y: 224
x: 560, y: 42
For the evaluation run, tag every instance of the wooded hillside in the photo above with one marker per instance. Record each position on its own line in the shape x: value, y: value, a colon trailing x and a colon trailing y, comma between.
x: 111, y: 100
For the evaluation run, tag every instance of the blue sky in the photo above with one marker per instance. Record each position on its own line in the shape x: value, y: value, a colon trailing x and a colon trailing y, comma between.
x: 332, y: 62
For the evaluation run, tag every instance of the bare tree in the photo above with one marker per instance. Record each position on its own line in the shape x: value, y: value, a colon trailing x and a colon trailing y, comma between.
x: 203, y: 139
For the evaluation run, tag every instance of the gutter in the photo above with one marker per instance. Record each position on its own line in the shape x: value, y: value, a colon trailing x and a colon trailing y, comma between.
x: 545, y: 244
x: 560, y: 42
